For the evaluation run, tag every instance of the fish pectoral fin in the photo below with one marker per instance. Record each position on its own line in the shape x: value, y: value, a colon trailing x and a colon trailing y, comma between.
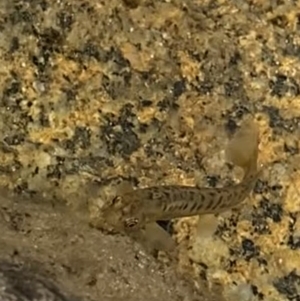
x: 242, y: 149
x: 154, y: 238
x: 159, y: 238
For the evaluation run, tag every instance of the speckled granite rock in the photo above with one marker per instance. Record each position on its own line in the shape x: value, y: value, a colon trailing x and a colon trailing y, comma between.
x: 146, y: 91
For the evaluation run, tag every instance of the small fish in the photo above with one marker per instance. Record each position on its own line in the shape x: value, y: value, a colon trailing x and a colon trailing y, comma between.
x: 134, y: 209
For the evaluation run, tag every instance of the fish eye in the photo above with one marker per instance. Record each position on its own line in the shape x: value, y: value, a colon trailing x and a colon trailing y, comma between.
x: 131, y: 222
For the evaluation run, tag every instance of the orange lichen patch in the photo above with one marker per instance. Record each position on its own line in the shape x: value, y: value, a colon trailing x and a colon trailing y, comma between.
x: 166, y: 13
x: 70, y: 72
x: 189, y: 68
x: 269, y: 150
x: 6, y: 159
x: 46, y: 136
x: 66, y: 67
x: 278, y: 236
x: 139, y: 59
x: 30, y: 155
x: 284, y: 260
x: 208, y: 250
x: 5, y: 181
x: 184, y: 227
x: 243, y: 228
x: 88, y: 115
x: 288, y: 106
x: 289, y: 67
x: 286, y: 14
x: 147, y: 114
x: 292, y: 199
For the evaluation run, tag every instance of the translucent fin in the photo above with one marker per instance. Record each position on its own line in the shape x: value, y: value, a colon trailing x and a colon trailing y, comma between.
x: 153, y: 237
x: 242, y: 150
x: 159, y: 238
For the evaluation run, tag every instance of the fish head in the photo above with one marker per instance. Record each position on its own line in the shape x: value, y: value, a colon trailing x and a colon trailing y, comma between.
x: 124, y: 213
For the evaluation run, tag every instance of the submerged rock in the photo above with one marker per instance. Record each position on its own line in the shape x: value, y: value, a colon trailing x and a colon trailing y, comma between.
x: 19, y: 283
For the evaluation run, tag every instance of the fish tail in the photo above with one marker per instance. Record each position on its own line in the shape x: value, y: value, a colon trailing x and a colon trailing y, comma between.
x: 242, y: 149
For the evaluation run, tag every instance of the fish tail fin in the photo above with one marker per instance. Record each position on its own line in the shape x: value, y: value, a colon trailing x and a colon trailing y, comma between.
x: 242, y: 149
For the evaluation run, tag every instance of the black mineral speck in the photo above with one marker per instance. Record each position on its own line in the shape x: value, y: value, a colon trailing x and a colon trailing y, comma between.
x: 20, y: 15
x: 249, y: 249
x: 264, y: 211
x: 92, y: 50
x: 124, y: 143
x: 277, y: 121
x: 212, y: 180
x: 239, y: 110
x: 70, y: 93
x: 228, y: 227
x: 271, y: 210
x: 267, y: 56
x: 82, y: 137
x: 294, y: 242
x: 14, y: 44
x: 289, y: 286
x: 50, y: 40
x: 235, y: 58
x: 65, y: 20
x: 127, y: 117
x: 11, y: 90
x: 40, y: 61
x: 132, y: 4
x: 261, y: 187
x: 119, y: 134
x: 231, y: 265
x: 116, y: 84
x: 15, y: 139
x: 204, y: 87
x: 294, y: 88
x: 256, y: 292
x: 44, y: 116
x: 203, y: 271
x: 260, y: 224
x: 146, y: 103
x: 178, y: 88
x: 167, y: 104
x: 154, y: 149
x: 117, y: 57
x: 54, y: 171
x: 280, y: 21
x: 231, y: 126
x: 294, y: 238
x: 291, y: 149
x: 262, y: 262
x: 232, y: 86
x: 278, y: 86
x: 291, y: 48
x: 276, y: 187
x: 21, y: 188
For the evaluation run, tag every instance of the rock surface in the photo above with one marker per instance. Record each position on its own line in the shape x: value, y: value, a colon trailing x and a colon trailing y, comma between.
x: 148, y: 91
